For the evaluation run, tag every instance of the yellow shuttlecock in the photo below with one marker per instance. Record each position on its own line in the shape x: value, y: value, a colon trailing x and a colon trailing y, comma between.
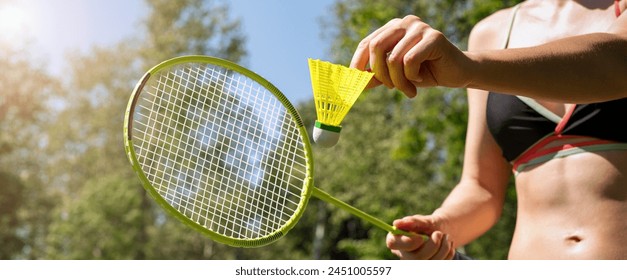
x: 335, y: 88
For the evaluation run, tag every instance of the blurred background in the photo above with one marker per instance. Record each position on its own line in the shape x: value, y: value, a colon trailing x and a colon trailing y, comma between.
x: 67, y: 69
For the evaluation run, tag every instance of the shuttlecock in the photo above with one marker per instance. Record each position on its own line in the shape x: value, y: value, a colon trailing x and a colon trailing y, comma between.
x: 335, y: 89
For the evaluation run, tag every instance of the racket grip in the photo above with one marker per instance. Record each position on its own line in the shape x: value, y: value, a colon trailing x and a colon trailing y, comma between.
x: 361, y: 214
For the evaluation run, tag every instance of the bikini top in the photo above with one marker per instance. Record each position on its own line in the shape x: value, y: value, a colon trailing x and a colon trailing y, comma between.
x: 529, y: 134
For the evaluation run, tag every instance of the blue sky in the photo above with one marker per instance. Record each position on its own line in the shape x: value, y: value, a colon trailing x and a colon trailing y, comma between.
x: 281, y: 34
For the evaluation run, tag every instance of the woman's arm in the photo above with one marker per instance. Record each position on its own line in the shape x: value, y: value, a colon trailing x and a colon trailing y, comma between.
x: 582, y: 69
x: 407, y: 53
x: 476, y: 202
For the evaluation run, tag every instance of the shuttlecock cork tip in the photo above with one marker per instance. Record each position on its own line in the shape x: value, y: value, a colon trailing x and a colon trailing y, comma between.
x: 325, y: 135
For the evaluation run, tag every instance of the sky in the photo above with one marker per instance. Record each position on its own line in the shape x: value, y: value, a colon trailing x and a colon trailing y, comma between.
x: 280, y: 34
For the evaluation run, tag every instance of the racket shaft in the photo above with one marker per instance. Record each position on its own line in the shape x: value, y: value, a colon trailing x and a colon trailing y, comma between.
x: 361, y: 214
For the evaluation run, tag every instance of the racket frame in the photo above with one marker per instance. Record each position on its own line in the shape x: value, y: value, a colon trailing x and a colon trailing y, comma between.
x: 307, y: 191
x: 131, y: 153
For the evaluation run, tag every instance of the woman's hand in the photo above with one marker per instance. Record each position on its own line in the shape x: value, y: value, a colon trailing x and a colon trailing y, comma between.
x: 437, y: 246
x: 407, y: 53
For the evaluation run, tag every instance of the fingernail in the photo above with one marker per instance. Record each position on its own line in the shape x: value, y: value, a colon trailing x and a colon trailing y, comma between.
x: 438, y: 237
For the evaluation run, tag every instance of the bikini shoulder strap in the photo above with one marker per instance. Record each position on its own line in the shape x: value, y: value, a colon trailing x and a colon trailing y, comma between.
x: 511, y: 25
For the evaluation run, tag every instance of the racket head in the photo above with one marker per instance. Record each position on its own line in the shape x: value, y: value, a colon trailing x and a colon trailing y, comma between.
x: 220, y: 148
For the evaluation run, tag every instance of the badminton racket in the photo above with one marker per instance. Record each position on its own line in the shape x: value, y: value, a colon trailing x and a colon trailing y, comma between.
x: 223, y: 150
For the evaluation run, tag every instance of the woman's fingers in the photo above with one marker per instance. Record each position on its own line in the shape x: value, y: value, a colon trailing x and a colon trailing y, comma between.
x: 407, y: 53
x: 385, y: 51
x: 361, y: 57
x: 438, y: 247
x: 396, y: 64
x: 405, y: 243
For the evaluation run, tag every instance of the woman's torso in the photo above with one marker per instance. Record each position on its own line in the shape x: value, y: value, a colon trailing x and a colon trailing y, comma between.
x: 570, y: 207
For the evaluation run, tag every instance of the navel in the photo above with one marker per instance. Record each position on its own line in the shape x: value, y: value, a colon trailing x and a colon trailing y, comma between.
x: 573, y: 239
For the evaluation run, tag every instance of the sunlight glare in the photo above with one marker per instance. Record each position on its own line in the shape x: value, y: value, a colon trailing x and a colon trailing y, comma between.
x: 14, y: 22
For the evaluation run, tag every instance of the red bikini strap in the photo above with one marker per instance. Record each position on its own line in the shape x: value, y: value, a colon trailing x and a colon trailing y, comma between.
x: 562, y: 124
x: 617, y: 7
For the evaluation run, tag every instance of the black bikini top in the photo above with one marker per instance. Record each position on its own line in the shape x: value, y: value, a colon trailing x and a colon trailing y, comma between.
x: 516, y: 126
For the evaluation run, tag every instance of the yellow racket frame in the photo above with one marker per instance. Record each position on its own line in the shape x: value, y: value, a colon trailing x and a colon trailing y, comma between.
x: 307, y: 190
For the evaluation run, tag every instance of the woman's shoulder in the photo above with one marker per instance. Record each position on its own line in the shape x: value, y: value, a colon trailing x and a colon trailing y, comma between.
x: 491, y: 32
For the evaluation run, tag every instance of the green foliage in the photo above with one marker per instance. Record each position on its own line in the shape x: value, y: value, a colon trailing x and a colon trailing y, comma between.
x: 105, y: 213
x: 10, y: 202
x: 190, y: 27
x: 90, y: 227
x: 25, y: 202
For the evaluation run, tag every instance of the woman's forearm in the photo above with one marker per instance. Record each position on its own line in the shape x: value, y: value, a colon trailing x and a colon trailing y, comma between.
x: 580, y: 69
x: 469, y: 211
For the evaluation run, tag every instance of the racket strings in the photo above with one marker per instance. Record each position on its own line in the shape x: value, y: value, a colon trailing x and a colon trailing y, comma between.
x: 220, y: 149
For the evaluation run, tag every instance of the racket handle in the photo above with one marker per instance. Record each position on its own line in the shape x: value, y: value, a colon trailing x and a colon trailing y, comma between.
x: 361, y: 214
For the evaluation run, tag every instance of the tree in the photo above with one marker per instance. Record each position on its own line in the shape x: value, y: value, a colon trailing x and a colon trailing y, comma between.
x: 190, y: 27
x: 105, y: 211
x: 24, y: 199
x: 102, y: 224
x: 10, y: 202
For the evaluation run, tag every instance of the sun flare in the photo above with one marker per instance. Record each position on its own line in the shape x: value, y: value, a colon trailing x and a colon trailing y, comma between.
x: 14, y: 21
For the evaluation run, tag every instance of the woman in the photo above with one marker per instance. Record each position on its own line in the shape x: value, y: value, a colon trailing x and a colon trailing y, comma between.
x: 547, y: 90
